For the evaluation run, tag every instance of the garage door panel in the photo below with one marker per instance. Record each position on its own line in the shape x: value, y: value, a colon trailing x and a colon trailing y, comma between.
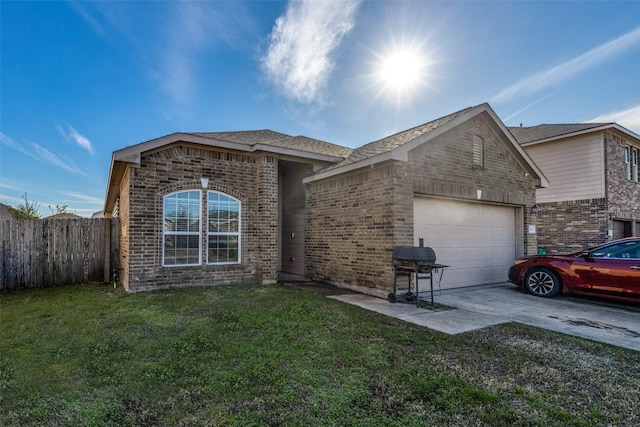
x: 477, y: 240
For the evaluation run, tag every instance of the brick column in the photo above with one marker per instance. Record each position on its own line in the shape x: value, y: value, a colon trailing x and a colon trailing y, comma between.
x: 267, y: 185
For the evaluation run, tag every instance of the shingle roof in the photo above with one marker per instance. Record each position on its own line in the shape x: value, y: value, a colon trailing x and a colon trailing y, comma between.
x: 5, y: 213
x: 277, y: 139
x: 392, y: 142
x: 536, y: 133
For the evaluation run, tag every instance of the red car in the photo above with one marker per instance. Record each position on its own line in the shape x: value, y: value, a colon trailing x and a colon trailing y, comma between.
x: 611, y: 270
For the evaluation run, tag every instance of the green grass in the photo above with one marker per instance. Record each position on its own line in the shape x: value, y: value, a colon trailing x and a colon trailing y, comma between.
x: 271, y: 355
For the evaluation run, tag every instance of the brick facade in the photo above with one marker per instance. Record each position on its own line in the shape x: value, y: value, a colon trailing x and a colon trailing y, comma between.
x: 250, y: 178
x: 623, y: 194
x: 566, y: 227
x: 569, y: 226
x: 355, y: 220
x: 351, y: 227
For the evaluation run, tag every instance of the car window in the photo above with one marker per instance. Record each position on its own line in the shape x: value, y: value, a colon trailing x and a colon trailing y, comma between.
x: 625, y: 250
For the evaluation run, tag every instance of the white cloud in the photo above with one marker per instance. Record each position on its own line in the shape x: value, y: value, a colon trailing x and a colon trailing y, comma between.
x: 78, y: 138
x: 568, y: 69
x: 78, y: 197
x: 526, y: 107
x: 629, y: 118
x: 38, y: 152
x: 299, y: 55
x: 89, y: 19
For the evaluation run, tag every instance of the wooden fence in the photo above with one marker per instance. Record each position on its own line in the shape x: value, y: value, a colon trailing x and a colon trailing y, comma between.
x: 52, y: 252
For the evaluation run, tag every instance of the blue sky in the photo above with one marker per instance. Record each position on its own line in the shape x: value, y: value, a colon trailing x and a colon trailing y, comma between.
x: 79, y: 80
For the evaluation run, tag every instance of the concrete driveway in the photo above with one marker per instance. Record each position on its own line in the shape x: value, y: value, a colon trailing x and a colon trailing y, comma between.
x: 480, y: 306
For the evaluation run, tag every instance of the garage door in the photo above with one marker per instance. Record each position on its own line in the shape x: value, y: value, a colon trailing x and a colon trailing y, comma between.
x: 477, y: 240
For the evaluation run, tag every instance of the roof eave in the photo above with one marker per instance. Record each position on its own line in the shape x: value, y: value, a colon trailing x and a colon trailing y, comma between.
x: 296, y: 153
x: 399, y: 153
x: 602, y: 128
x: 116, y: 171
x: 368, y: 162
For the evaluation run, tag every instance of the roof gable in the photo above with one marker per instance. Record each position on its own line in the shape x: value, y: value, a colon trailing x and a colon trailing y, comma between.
x: 397, y: 146
x: 248, y: 141
x: 392, y: 142
x: 245, y: 141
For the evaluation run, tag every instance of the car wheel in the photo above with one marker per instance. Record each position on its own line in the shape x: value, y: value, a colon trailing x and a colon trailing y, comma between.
x: 542, y: 283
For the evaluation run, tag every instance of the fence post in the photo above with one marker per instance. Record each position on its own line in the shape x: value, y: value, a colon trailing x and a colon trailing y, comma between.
x: 107, y: 250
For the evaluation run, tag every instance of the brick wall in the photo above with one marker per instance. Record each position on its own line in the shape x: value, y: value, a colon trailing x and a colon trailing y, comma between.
x: 180, y: 167
x: 124, y: 227
x: 623, y: 194
x: 569, y: 226
x: 355, y: 220
x: 350, y: 228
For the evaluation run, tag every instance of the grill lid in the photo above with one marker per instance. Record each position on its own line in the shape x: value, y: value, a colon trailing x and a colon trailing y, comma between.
x: 414, y: 254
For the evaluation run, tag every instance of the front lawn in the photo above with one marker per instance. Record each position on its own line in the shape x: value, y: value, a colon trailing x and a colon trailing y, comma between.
x: 271, y: 355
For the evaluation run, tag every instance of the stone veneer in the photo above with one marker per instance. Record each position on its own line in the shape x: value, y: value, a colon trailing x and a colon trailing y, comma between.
x: 355, y: 220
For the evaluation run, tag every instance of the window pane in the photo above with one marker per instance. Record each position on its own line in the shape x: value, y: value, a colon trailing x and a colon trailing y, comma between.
x: 620, y: 250
x: 182, y: 220
x: 181, y: 249
x: 222, y: 249
x: 182, y: 212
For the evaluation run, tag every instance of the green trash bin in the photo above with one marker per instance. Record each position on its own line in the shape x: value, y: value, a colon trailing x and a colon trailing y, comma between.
x: 542, y: 251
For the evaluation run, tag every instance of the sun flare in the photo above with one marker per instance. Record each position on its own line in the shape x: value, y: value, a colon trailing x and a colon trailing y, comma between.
x: 401, y: 70
x: 401, y: 73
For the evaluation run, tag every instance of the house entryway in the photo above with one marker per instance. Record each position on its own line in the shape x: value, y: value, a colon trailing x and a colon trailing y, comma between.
x: 292, y: 208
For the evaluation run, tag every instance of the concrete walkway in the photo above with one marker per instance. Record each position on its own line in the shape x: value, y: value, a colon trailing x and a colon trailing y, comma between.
x: 480, y: 306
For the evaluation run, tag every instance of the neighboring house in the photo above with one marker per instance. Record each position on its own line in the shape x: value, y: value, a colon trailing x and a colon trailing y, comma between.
x: 594, y: 192
x: 63, y: 215
x: 5, y: 212
x: 240, y: 207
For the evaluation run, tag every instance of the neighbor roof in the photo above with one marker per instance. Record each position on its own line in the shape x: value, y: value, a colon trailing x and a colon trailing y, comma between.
x: 545, y: 131
x: 5, y: 213
x: 552, y: 132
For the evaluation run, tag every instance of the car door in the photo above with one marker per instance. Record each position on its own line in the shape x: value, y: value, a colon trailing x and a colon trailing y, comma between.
x: 613, y: 269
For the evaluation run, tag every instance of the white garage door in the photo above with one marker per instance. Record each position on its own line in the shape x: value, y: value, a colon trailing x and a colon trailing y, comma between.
x: 477, y: 240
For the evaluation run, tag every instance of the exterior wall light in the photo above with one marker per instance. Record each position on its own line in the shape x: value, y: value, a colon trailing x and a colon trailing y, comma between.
x: 534, y: 209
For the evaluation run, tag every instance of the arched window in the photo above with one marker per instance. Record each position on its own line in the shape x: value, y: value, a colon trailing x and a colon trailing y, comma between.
x: 223, y: 229
x: 181, y: 229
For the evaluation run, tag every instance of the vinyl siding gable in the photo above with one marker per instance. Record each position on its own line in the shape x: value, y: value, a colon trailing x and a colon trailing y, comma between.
x: 574, y: 167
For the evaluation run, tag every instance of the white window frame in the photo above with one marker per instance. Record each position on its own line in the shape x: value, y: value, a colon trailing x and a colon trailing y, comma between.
x: 634, y: 164
x: 237, y: 234
x: 627, y: 162
x: 197, y: 233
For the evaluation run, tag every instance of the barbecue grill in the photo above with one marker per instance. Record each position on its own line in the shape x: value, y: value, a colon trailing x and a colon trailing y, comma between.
x: 413, y: 261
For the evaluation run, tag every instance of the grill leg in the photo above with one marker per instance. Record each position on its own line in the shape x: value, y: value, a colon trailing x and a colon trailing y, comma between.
x: 393, y: 297
x: 417, y: 291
